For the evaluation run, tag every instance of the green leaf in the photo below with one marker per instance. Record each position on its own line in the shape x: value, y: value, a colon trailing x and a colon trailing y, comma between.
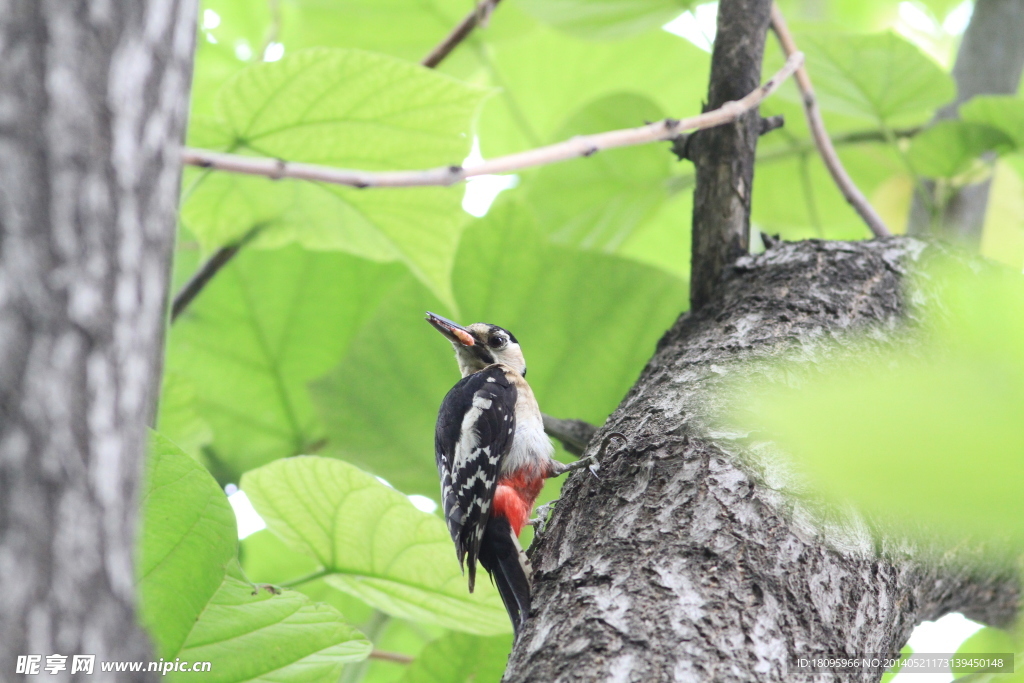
x: 663, y: 241
x: 948, y: 148
x: 879, y: 77
x: 188, y: 538
x: 351, y: 109
x: 605, y: 19
x: 598, y: 202
x: 796, y: 196
x: 536, y: 96
x: 457, y: 658
x: 408, y: 29
x: 572, y: 311
x: 940, y: 421
x: 197, y: 605
x: 178, y: 419
x: 1003, y: 112
x: 259, y: 633
x: 270, y: 322
x: 372, y: 543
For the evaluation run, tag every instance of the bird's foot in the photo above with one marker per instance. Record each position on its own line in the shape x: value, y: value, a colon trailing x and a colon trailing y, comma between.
x: 540, y: 522
x: 590, y: 463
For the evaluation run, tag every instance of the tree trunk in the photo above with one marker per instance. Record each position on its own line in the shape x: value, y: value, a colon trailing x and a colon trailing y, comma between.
x: 687, y: 560
x: 93, y: 100
x: 989, y: 62
x: 724, y: 156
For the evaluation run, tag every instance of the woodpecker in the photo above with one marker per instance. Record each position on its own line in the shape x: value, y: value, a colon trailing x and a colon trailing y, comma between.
x: 492, y: 456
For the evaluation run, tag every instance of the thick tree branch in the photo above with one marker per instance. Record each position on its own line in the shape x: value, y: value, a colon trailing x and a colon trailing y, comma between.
x: 828, y: 153
x: 477, y: 17
x: 724, y: 158
x: 690, y: 558
x: 581, y: 146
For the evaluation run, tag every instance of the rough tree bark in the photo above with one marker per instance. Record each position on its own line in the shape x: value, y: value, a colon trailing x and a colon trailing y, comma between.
x: 93, y: 99
x: 989, y: 61
x: 724, y: 156
x: 687, y: 560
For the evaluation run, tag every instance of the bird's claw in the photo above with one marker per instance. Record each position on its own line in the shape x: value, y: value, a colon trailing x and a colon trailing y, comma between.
x: 540, y: 522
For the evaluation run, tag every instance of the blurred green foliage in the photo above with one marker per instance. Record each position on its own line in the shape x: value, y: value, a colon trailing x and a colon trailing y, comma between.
x: 928, y: 435
x: 310, y: 340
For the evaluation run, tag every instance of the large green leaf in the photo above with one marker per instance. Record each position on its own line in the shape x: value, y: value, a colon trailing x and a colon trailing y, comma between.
x: 796, y: 197
x: 372, y: 543
x: 458, y: 657
x: 268, y: 559
x: 260, y: 633
x: 351, y: 109
x: 948, y: 148
x: 188, y: 538
x: 178, y: 419
x: 879, y: 77
x: 1004, y: 112
x: 597, y: 202
x: 270, y: 322
x: 404, y: 28
x: 606, y: 19
x: 587, y: 322
x: 546, y: 75
x: 940, y: 421
x: 197, y: 605
x: 664, y: 240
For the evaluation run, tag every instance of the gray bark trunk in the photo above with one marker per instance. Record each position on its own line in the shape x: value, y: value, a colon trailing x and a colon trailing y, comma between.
x: 989, y: 62
x: 724, y: 156
x: 93, y: 100
x: 687, y: 560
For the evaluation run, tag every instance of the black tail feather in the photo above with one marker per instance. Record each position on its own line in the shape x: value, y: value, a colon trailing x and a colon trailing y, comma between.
x: 504, y: 559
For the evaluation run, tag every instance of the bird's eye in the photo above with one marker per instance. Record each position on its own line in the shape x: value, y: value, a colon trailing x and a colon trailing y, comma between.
x: 497, y: 342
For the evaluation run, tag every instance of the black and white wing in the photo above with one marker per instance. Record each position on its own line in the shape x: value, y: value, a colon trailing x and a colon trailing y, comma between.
x: 474, y: 433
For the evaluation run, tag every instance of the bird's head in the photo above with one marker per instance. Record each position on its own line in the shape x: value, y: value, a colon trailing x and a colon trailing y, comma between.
x: 480, y: 344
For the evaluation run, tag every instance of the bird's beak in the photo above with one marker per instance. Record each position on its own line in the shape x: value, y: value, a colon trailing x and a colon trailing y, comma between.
x: 455, y: 333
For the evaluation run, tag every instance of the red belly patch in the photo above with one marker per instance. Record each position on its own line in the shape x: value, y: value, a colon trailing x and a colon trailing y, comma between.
x: 515, y: 496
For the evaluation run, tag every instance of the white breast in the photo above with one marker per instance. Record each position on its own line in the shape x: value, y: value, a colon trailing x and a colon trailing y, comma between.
x: 531, y: 446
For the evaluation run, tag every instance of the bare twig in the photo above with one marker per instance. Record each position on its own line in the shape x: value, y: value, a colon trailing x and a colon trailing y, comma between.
x: 581, y: 146
x: 574, y: 434
x: 478, y: 16
x: 387, y: 656
x: 201, y: 277
x: 817, y: 126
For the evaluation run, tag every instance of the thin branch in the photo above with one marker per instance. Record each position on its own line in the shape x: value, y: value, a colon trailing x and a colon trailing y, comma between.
x: 581, y: 146
x: 201, y: 277
x: 319, y: 574
x: 475, y: 18
x: 396, y: 657
x: 574, y: 434
x: 817, y: 126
